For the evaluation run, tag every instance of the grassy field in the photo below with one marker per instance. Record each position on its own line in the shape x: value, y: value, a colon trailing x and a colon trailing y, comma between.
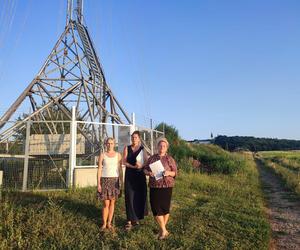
x: 286, y: 164
x: 214, y: 211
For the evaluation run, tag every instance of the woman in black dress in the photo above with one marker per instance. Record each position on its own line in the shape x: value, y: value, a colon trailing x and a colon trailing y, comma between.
x: 135, y: 181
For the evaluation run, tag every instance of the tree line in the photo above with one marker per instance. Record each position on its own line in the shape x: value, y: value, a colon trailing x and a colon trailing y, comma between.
x: 254, y: 144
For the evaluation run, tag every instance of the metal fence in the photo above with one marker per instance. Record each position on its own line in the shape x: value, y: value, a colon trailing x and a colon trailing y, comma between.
x: 33, y: 159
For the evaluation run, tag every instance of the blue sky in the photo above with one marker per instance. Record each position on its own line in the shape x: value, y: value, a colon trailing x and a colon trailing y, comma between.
x: 226, y: 67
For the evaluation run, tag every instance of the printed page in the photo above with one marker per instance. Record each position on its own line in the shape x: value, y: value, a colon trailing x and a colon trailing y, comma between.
x: 157, y: 169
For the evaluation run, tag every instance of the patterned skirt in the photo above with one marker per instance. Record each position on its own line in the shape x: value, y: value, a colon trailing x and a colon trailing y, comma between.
x: 110, y: 188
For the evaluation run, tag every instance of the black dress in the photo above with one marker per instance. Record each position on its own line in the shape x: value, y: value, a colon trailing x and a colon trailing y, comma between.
x: 135, y: 189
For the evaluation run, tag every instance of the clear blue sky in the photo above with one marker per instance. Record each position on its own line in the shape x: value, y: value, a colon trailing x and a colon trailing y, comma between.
x: 227, y: 67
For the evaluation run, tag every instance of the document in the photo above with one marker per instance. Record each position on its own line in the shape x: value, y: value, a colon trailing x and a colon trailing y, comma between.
x: 157, y: 169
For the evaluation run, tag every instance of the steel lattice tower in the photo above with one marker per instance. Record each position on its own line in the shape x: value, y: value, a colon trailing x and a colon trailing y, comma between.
x: 72, y: 75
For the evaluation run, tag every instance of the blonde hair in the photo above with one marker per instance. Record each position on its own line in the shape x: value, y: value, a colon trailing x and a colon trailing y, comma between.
x: 110, y: 139
x: 163, y: 140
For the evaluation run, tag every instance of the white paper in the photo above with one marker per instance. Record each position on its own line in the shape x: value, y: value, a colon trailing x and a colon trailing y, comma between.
x: 157, y: 169
x: 140, y: 157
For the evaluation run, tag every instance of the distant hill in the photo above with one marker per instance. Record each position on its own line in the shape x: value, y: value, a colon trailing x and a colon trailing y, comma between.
x: 255, y: 144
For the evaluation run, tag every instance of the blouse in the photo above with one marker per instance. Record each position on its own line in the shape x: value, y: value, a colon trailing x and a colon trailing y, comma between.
x: 110, y: 166
x: 169, y: 164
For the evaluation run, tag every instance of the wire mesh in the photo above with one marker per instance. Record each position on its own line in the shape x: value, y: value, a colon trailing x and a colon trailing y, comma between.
x: 12, y: 152
x: 48, y: 156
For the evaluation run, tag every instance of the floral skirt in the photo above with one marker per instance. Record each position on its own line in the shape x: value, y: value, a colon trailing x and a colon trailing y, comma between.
x: 110, y: 188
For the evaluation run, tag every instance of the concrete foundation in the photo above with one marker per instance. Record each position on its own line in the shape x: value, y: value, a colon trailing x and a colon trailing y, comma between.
x: 85, y: 177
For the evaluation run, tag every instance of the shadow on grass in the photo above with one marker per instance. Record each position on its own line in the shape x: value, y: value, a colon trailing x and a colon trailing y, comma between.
x: 42, y: 201
x: 92, y: 212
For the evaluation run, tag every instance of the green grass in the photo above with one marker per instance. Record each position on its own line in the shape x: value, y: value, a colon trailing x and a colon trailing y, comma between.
x: 288, y: 159
x: 208, y: 212
x: 293, y: 154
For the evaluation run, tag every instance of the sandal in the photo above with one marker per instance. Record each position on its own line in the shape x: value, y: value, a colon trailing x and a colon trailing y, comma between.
x: 102, y: 228
x: 164, y: 236
x: 128, y: 226
x: 111, y: 228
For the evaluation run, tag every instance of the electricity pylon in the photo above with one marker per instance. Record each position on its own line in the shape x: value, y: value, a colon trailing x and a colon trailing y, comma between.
x: 72, y: 75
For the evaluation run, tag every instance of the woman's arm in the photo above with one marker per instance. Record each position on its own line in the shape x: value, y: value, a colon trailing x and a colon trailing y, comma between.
x: 173, y: 167
x: 125, y: 153
x: 145, y: 156
x: 170, y: 173
x: 147, y: 170
x: 99, y: 172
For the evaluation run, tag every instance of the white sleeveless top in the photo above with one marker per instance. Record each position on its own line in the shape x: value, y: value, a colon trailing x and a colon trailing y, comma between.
x: 110, y: 167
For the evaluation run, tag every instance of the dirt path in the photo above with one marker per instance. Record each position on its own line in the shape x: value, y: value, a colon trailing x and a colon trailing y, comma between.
x: 283, y: 209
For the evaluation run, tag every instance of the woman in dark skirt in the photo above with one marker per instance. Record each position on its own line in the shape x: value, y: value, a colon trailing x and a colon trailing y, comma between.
x: 135, y: 181
x: 161, y: 189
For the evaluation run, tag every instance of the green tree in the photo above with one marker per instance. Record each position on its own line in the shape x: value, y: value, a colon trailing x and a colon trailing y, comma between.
x: 171, y: 132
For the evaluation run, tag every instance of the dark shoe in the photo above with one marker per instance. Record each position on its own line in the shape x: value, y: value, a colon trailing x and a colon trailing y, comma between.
x: 135, y: 223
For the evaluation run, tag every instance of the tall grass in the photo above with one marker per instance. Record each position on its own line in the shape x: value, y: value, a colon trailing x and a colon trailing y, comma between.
x: 212, y: 158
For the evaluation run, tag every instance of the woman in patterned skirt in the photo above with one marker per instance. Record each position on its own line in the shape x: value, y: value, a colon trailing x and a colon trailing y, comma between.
x: 109, y: 181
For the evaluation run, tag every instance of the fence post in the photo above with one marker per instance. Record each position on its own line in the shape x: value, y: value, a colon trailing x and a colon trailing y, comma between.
x: 7, y: 146
x: 151, y: 134
x: 26, y: 158
x: 133, y: 125
x: 1, y: 180
x: 72, y: 156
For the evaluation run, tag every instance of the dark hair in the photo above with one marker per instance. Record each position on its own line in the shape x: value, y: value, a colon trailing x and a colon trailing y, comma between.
x: 136, y: 133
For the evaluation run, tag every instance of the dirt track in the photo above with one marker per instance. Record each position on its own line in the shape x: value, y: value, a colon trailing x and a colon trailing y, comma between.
x: 283, y: 209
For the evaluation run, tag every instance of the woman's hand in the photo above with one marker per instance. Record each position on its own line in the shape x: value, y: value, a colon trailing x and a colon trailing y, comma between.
x: 167, y: 173
x: 99, y: 188
x: 151, y: 174
x: 138, y: 165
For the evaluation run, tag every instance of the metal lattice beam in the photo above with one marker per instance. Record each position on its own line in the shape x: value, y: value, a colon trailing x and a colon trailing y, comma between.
x: 71, y: 75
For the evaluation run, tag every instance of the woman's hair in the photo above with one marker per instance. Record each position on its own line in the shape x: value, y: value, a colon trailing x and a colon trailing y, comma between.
x: 110, y: 139
x: 163, y: 140
x: 136, y: 133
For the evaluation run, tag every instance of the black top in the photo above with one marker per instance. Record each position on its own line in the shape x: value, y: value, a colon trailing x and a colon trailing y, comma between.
x: 131, y: 156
